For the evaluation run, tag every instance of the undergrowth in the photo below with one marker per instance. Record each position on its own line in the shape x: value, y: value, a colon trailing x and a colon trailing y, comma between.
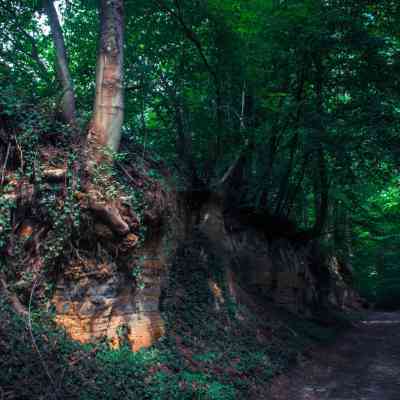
x: 212, y: 353
x: 215, y: 349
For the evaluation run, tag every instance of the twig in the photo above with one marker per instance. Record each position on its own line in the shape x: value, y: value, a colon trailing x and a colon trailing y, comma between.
x: 21, y: 154
x: 190, y: 34
x: 12, y: 298
x: 5, y: 163
x: 125, y: 171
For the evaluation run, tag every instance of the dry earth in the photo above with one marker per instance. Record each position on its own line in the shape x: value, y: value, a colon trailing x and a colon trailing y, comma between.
x: 364, y: 364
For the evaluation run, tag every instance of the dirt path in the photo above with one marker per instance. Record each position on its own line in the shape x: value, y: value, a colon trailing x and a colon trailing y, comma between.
x: 363, y: 365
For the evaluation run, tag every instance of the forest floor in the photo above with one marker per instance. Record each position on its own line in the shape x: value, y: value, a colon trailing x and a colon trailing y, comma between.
x: 363, y: 364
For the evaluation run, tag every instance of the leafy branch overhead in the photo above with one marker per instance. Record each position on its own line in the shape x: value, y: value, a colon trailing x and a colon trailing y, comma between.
x: 134, y: 123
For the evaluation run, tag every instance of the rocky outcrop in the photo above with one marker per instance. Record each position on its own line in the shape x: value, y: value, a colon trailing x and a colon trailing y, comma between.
x: 341, y: 294
x: 109, y: 275
x: 98, y: 300
x: 105, y: 248
x: 293, y: 275
x: 110, y: 290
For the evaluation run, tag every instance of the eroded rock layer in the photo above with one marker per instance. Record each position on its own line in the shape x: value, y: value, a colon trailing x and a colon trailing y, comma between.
x: 110, y: 276
x: 113, y: 299
x: 293, y: 275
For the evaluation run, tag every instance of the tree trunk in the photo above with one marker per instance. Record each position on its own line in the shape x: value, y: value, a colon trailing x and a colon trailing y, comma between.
x: 321, y: 182
x: 347, y: 239
x: 106, y: 124
x: 184, y: 147
x: 321, y: 193
x: 68, y: 95
x: 285, y: 184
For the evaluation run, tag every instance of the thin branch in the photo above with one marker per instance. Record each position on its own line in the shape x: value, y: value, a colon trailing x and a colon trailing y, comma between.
x: 34, y: 53
x: 5, y: 164
x: 12, y: 298
x: 190, y: 35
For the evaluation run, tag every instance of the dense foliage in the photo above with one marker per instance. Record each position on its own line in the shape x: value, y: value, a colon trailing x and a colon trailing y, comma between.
x: 207, y: 354
x: 306, y: 89
x: 302, y: 94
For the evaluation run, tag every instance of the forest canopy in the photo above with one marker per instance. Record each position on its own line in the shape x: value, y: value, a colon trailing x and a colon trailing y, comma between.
x: 302, y: 95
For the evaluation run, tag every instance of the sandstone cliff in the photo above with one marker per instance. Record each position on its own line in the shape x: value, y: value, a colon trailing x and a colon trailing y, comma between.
x: 105, y: 258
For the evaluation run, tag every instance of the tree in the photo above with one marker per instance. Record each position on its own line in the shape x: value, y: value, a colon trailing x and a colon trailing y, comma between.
x: 308, y: 90
x: 106, y: 124
x: 67, y: 96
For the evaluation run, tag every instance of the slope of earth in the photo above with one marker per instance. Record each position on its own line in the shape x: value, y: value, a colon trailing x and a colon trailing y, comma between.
x: 363, y: 365
x: 206, y: 354
x: 212, y: 305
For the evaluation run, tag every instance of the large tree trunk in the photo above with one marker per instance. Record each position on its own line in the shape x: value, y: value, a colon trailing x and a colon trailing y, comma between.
x: 68, y: 95
x: 105, y: 127
x: 321, y: 193
x: 321, y: 180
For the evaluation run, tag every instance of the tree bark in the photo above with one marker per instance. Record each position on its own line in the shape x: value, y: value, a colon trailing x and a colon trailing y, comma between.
x: 321, y: 180
x: 68, y: 95
x: 106, y: 124
x: 321, y: 193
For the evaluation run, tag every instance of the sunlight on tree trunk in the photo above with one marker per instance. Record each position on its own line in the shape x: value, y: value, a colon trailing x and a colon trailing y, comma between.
x: 68, y: 96
x: 105, y: 128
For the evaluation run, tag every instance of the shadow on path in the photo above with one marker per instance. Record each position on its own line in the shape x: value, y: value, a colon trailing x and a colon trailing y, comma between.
x: 363, y: 365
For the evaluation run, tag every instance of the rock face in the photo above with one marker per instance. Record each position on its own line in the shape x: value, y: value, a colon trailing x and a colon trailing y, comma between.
x: 275, y: 270
x: 109, y: 282
x: 110, y: 289
x: 99, y: 300
x: 342, y: 295
x: 294, y: 276
x: 88, y: 238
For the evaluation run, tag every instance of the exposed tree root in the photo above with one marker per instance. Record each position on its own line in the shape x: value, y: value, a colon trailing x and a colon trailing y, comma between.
x: 12, y: 298
x: 109, y: 214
